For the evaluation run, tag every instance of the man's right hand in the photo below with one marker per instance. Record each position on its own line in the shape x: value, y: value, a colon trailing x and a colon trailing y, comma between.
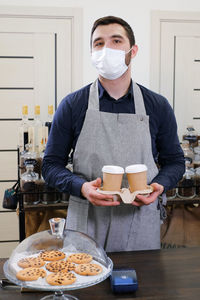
x: 89, y: 191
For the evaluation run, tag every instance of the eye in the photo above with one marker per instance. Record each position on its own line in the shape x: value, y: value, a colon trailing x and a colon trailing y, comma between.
x: 117, y: 41
x: 98, y: 44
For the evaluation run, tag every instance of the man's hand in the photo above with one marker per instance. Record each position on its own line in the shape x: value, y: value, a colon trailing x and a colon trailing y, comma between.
x: 88, y: 190
x: 141, y: 200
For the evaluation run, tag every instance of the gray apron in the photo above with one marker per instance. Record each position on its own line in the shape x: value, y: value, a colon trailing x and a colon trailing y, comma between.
x: 115, y: 139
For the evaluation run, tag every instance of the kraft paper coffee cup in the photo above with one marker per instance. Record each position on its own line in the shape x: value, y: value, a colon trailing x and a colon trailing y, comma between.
x: 112, y: 178
x: 137, y: 177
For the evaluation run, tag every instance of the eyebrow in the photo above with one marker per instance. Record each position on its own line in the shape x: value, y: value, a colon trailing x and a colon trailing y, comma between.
x: 117, y: 36
x: 113, y: 36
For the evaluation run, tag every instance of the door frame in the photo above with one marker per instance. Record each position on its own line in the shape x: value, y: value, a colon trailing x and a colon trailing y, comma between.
x: 157, y: 18
x: 76, y: 74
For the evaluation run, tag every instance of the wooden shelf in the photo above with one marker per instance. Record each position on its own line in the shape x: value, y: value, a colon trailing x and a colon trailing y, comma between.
x: 23, y: 208
x: 49, y: 206
x: 178, y: 200
x: 60, y: 205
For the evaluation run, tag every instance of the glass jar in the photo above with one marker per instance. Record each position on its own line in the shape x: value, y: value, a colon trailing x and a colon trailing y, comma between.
x: 39, y: 160
x: 188, y: 153
x: 171, y: 194
x: 40, y: 183
x: 197, y: 171
x: 22, y: 168
x: 187, y: 185
x: 64, y: 198
x: 28, y: 185
x: 30, y: 158
x: 191, y: 136
x: 196, y: 160
x: 50, y: 195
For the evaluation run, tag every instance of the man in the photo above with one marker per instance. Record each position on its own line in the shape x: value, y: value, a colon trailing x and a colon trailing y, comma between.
x: 114, y: 121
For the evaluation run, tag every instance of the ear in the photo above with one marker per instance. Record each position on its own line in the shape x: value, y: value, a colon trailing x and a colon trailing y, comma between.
x: 134, y: 51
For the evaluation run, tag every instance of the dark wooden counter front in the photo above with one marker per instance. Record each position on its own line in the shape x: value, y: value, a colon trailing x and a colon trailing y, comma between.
x: 165, y: 274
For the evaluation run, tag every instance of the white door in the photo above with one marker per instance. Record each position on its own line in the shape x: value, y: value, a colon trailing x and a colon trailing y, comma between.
x: 37, y: 66
x: 27, y: 76
x: 187, y: 83
x: 175, y: 68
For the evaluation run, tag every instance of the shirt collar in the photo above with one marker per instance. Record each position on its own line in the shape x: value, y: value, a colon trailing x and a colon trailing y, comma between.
x: 102, y: 91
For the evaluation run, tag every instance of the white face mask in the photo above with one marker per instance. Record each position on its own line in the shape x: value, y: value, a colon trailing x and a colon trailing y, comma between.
x: 110, y: 63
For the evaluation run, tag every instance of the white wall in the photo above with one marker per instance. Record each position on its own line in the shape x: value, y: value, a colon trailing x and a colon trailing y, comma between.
x: 136, y: 13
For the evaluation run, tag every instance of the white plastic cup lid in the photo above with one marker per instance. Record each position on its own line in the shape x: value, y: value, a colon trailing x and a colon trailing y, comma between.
x: 136, y: 168
x: 112, y: 169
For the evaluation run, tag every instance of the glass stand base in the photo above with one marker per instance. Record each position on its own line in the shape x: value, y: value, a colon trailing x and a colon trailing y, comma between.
x: 59, y: 296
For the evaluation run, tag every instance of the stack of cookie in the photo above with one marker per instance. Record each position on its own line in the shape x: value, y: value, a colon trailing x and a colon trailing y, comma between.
x: 60, y: 270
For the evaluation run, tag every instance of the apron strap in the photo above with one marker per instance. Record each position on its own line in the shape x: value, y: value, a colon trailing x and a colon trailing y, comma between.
x: 93, y: 101
x: 138, y: 100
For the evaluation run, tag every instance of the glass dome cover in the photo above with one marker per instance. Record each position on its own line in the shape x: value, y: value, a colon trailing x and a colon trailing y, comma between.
x: 69, y: 242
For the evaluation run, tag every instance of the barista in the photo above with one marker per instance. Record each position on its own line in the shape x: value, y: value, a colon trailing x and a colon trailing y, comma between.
x: 113, y: 121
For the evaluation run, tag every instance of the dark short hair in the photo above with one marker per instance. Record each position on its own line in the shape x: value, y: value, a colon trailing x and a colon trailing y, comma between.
x: 114, y: 20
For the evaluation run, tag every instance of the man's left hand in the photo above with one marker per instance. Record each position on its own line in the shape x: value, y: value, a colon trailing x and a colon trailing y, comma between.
x: 141, y: 200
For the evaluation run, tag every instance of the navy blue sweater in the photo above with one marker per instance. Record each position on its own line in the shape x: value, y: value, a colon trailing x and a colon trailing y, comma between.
x: 68, y: 122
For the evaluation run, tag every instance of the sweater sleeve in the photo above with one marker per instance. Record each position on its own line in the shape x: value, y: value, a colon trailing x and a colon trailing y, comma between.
x: 170, y: 155
x: 59, y: 145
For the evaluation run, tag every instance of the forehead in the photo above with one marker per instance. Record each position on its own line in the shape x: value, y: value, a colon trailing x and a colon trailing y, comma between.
x: 107, y: 31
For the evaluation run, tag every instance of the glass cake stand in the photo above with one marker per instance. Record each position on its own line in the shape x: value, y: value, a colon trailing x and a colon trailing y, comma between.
x: 69, y: 242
